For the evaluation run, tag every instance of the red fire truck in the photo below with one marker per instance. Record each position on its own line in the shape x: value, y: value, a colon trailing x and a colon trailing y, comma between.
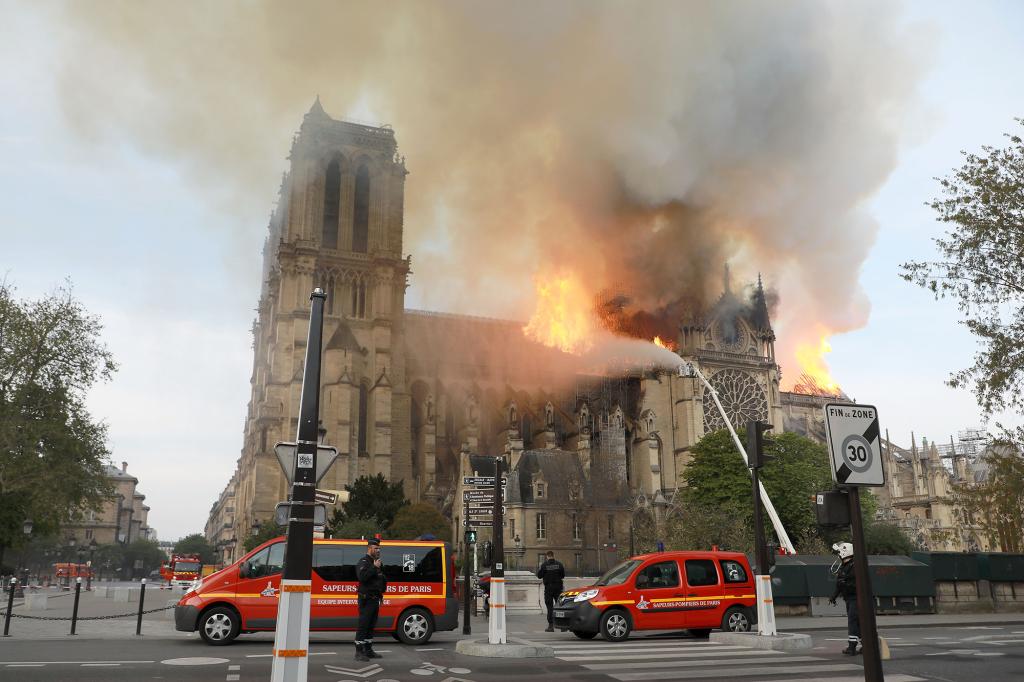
x: 182, y: 569
x: 67, y: 572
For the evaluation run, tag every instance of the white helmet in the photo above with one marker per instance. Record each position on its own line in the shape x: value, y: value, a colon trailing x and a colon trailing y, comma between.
x: 843, y: 549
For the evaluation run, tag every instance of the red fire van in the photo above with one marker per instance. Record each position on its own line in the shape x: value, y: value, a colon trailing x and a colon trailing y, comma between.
x: 698, y: 591
x: 243, y: 597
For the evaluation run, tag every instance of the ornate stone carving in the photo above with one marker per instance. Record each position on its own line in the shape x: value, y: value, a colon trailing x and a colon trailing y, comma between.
x: 742, y: 399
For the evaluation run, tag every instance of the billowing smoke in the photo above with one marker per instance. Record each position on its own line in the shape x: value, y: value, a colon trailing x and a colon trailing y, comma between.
x: 641, y: 145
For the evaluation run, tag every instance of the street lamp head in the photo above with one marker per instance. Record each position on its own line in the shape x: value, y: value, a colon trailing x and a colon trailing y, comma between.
x: 71, y: 541
x: 321, y: 432
x: 27, y: 527
x: 93, y: 544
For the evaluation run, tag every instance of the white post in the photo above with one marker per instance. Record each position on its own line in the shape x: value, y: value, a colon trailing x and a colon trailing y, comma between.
x: 496, y: 633
x: 291, y: 640
x: 765, y: 606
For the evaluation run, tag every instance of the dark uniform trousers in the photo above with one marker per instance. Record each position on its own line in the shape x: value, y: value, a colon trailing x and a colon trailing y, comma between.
x: 369, y: 605
x: 550, y: 595
x: 852, y: 619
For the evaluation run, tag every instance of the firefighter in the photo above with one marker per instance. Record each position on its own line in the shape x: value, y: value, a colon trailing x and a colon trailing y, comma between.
x: 846, y: 585
x: 370, y: 573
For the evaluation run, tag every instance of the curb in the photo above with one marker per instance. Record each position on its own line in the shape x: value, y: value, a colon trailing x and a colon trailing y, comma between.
x: 783, y: 641
x: 470, y: 647
x: 887, y: 626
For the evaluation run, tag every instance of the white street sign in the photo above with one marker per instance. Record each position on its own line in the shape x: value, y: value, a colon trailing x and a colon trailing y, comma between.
x: 854, y: 443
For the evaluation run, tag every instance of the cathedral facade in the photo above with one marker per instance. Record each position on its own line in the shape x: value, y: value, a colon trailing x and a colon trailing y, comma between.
x: 426, y: 398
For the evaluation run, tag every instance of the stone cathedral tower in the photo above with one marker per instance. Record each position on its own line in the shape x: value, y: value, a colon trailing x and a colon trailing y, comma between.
x: 338, y: 226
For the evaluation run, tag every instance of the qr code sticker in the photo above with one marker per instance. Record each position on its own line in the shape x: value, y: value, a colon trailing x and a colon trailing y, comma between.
x: 305, y: 461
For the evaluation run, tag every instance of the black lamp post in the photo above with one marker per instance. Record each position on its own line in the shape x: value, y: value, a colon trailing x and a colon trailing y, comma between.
x: 26, y: 528
x: 92, y: 551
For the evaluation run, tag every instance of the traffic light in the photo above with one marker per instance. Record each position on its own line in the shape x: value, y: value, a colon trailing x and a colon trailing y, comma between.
x: 755, y: 444
x: 488, y: 553
x: 470, y: 537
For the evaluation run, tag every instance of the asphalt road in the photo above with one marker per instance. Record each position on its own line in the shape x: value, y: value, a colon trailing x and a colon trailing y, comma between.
x: 953, y: 654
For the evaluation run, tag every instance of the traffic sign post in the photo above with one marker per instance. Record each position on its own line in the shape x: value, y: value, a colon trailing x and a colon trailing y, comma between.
x: 855, y: 449
x: 496, y: 632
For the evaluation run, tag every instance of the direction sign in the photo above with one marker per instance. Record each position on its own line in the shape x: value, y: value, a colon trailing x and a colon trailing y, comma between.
x: 484, y: 511
x: 854, y: 443
x: 325, y: 456
x: 481, y: 523
x: 482, y: 480
x: 325, y: 497
x: 481, y: 495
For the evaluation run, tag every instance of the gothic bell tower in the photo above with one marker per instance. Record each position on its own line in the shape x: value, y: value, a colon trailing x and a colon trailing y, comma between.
x: 337, y: 226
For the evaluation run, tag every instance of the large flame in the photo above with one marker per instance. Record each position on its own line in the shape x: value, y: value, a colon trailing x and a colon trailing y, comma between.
x: 564, y: 317
x: 815, y: 377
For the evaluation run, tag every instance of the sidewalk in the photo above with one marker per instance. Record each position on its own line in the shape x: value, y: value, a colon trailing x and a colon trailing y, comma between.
x: 118, y: 621
x: 804, y: 623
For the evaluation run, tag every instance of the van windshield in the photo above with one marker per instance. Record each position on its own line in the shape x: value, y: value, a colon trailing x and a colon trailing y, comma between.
x: 619, y: 574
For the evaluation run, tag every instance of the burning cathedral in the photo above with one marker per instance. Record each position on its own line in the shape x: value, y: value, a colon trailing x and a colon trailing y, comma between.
x: 426, y: 397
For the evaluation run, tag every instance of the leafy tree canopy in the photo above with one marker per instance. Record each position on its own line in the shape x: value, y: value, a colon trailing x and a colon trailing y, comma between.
x: 52, y: 452
x: 355, y: 528
x: 996, y: 503
x: 196, y: 544
x: 981, y: 267
x: 372, y: 497
x: 268, y: 531
x: 141, y: 557
x: 418, y: 519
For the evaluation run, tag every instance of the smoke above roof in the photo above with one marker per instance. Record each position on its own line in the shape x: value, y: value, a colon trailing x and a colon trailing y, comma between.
x: 641, y: 145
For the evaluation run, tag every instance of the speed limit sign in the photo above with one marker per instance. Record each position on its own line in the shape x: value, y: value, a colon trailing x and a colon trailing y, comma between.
x: 854, y: 443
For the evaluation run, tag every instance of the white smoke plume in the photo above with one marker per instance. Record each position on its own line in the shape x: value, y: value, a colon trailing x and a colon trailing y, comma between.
x: 639, y: 144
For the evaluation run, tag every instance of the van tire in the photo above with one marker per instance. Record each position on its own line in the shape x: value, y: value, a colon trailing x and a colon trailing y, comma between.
x: 736, y: 619
x: 584, y: 635
x: 219, y: 626
x: 414, y: 626
x: 615, y: 625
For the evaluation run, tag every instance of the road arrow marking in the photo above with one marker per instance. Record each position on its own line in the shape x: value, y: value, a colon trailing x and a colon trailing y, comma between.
x: 368, y: 671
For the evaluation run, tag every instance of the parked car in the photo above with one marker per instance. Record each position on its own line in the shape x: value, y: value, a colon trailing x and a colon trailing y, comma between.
x: 697, y: 591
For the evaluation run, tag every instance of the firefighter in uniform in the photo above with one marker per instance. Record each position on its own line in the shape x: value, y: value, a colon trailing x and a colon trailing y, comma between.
x: 846, y: 585
x: 370, y: 574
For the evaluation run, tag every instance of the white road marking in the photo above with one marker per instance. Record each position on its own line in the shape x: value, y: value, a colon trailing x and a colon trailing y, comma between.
x: 233, y: 678
x: 983, y: 627
x: 938, y: 638
x: 627, y: 653
x: 234, y: 667
x: 259, y: 655
x: 73, y: 662
x: 735, y: 672
x: 101, y: 665
x: 24, y: 665
x: 432, y: 649
x: 605, y: 667
x: 195, y: 660
x: 905, y: 644
x: 989, y: 653
x: 736, y: 651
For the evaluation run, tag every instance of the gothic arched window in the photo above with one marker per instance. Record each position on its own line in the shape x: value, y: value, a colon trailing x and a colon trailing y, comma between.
x: 361, y: 211
x: 332, y: 196
x: 364, y: 408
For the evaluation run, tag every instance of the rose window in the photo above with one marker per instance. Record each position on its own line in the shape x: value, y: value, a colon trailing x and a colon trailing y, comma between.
x: 729, y: 337
x: 743, y: 400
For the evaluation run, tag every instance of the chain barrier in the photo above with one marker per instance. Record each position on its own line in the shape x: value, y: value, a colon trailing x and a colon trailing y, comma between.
x: 3, y: 614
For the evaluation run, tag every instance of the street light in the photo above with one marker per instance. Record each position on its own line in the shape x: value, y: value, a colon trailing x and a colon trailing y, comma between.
x: 92, y: 550
x: 255, y: 528
x: 26, y: 528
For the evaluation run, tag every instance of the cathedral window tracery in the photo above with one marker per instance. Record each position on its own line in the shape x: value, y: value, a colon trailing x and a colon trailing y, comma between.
x: 332, y: 197
x: 742, y: 399
x: 361, y: 211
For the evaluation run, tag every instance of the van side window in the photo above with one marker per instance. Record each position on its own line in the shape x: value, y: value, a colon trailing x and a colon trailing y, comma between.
x: 733, y: 572
x: 415, y: 563
x: 268, y: 562
x: 336, y: 563
x: 701, y: 572
x: 663, y: 574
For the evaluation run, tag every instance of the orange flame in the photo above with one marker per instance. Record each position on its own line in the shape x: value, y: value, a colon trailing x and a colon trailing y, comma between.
x: 664, y: 344
x: 812, y: 363
x: 564, y: 316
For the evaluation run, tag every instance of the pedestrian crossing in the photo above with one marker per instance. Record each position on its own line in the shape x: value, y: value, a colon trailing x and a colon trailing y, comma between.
x: 637, y: 660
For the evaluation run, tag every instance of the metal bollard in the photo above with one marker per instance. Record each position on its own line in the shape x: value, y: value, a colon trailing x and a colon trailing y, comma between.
x: 74, y: 609
x: 142, y: 600
x: 10, y: 607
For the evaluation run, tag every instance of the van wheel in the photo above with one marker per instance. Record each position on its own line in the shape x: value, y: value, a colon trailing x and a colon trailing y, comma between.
x: 219, y: 626
x: 584, y: 635
x: 415, y: 626
x: 736, y: 620
x: 615, y: 625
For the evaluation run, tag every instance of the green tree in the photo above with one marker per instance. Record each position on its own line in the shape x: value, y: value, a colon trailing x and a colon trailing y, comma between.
x: 196, y: 544
x: 355, y: 528
x: 981, y: 267
x: 719, y: 486
x: 882, y: 537
x: 141, y: 557
x: 52, y: 452
x: 996, y: 503
x: 418, y: 519
x: 268, y: 531
x: 371, y: 497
